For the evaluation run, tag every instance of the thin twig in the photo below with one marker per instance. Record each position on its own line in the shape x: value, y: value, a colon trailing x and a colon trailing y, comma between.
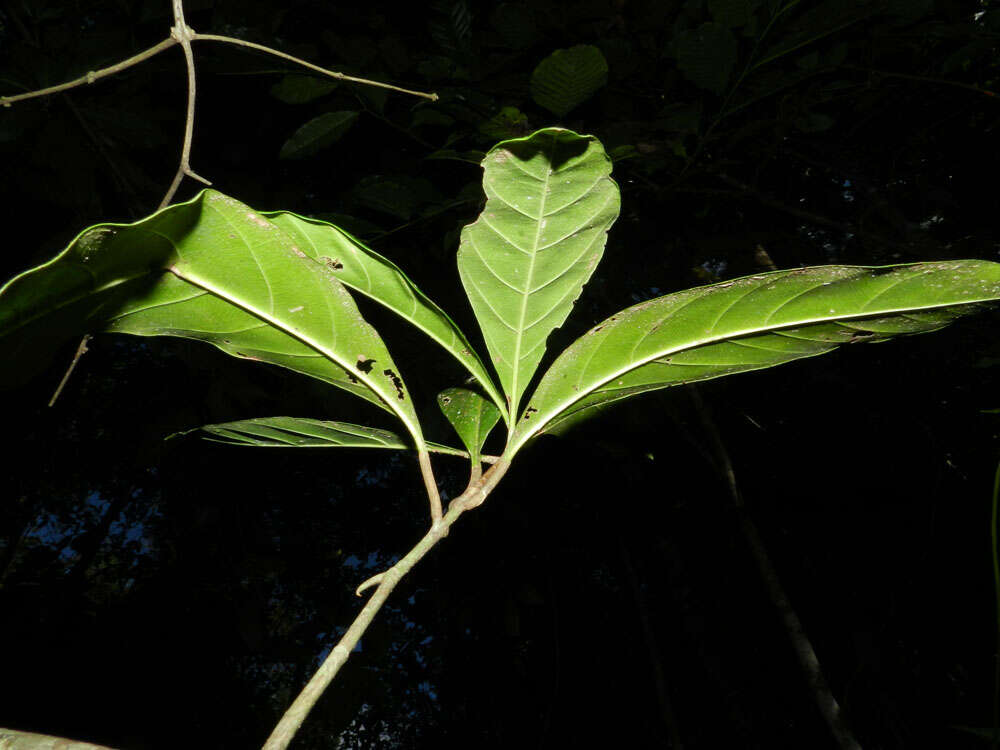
x: 183, y: 34
x: 81, y: 349
x: 473, y: 496
x: 808, y: 661
x: 922, y: 79
x: 94, y: 75
x: 298, y: 61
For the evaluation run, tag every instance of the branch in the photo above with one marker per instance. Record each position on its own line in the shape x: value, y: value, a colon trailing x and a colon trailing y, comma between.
x: 81, y: 349
x: 183, y: 34
x: 813, y: 218
x: 808, y: 661
x: 298, y: 61
x: 474, y: 496
x: 94, y: 75
x: 872, y: 72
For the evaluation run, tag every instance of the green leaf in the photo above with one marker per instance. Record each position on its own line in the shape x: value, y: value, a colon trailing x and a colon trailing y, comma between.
x: 317, y: 134
x: 213, y: 270
x: 470, y: 157
x: 818, y: 22
x: 568, y: 77
x: 431, y: 117
x: 450, y: 26
x: 750, y: 324
x: 299, y: 89
x: 396, y: 195
x: 509, y: 122
x: 524, y: 261
x: 706, y: 56
x: 301, y: 432
x: 472, y: 416
x: 363, y: 270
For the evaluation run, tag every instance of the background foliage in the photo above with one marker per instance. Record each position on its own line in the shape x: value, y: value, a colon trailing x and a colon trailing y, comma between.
x: 150, y: 590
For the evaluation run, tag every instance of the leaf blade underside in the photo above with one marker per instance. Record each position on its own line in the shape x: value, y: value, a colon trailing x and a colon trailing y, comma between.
x: 363, y: 270
x: 213, y: 270
x: 304, y: 432
x: 472, y: 416
x: 524, y: 261
x: 750, y: 324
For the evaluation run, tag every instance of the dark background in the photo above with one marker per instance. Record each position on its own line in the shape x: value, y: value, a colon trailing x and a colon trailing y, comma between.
x: 160, y: 595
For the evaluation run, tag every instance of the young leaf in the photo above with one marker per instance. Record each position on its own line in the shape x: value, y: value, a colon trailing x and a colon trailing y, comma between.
x: 232, y: 279
x: 317, y: 134
x: 750, y: 324
x: 301, y: 432
x: 363, y: 270
x: 568, y: 77
x: 524, y: 261
x: 471, y: 415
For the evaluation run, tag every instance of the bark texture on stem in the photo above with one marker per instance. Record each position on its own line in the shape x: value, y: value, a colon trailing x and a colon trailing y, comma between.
x: 473, y: 496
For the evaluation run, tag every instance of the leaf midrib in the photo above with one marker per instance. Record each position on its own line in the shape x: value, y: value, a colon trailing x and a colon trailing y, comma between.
x: 528, y: 283
x: 322, y: 350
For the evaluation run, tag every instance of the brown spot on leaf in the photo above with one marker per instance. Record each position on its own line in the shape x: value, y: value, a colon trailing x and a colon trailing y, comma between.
x: 259, y: 220
x: 298, y: 252
x: 352, y: 378
x: 333, y: 264
x: 364, y: 364
x: 528, y: 412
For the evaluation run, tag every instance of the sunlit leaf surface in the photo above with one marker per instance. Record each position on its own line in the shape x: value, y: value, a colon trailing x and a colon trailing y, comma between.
x: 523, y: 262
x: 210, y: 269
x: 750, y: 324
x: 301, y: 432
x: 472, y: 416
x: 365, y: 271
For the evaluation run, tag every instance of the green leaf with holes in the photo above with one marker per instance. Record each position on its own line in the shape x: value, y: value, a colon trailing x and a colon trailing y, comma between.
x: 303, y: 432
x: 750, y: 324
x: 365, y: 271
x: 568, y: 77
x: 472, y: 416
x: 210, y: 269
x: 549, y: 204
